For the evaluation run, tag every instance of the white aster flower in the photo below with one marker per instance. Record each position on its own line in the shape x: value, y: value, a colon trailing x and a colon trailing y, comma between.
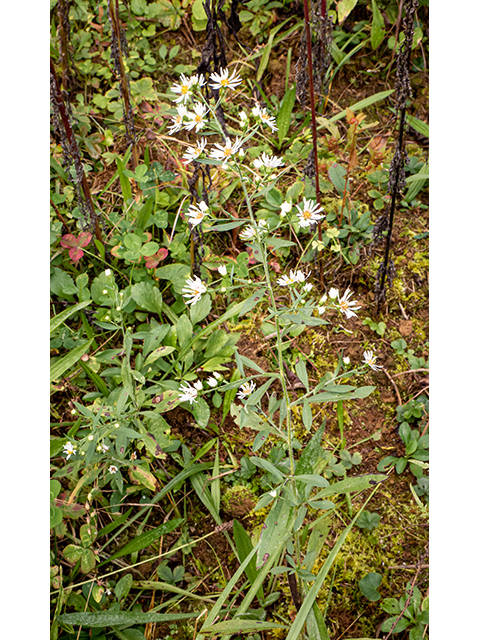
x: 192, y: 153
x: 248, y: 233
x: 226, y: 151
x: 308, y: 287
x: 189, y: 393
x: 197, y: 117
x: 212, y: 381
x: 243, y: 119
x: 222, y: 270
x: 321, y: 310
x: 273, y: 493
x: 184, y: 88
x: 369, y: 358
x: 197, y: 214
x: 263, y: 224
x: 347, y: 306
x: 346, y: 360
x: 285, y: 281
x: 257, y: 163
x: 272, y: 162
x: 223, y: 81
x: 193, y: 289
x: 246, y: 390
x: 177, y: 122
x: 263, y: 116
x: 112, y: 469
x: 69, y: 449
x: 285, y: 208
x: 309, y: 213
x: 300, y: 276
x: 333, y: 293
x: 197, y: 81
x: 107, y: 272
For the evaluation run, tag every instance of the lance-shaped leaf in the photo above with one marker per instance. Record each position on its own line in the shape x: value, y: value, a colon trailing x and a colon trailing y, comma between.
x: 147, y: 538
x: 278, y: 524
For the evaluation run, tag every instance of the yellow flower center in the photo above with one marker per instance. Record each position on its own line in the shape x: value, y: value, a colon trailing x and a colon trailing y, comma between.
x: 198, y: 118
x: 185, y: 89
x: 307, y: 214
x: 224, y: 82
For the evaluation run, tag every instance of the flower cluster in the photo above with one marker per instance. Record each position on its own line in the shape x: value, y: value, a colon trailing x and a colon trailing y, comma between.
x: 189, y: 393
x: 293, y: 278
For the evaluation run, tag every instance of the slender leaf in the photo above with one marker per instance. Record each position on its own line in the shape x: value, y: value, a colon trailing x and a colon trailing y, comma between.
x: 285, y: 113
x: 146, y: 539
x: 62, y: 365
x: 104, y: 619
x: 57, y: 320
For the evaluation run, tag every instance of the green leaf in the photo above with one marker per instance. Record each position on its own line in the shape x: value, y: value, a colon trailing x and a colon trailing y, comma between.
x: 337, y: 175
x: 161, y: 352
x: 268, y: 466
x: 177, y: 273
x: 146, y: 539
x: 418, y: 125
x: 184, y: 331
x: 244, y: 547
x: 301, y: 371
x: 104, y: 619
x: 369, y: 584
x: 359, y: 483
x: 147, y: 296
x: 285, y: 113
x: 251, y: 301
x: 307, y: 417
x: 57, y: 320
x: 201, y: 412
x: 278, y: 524
x: 362, y: 104
x: 59, y: 367
x: 241, y: 626
x: 227, y: 226
x: 312, y: 479
x: 344, y: 8
x: 378, y: 32
x: 200, y: 309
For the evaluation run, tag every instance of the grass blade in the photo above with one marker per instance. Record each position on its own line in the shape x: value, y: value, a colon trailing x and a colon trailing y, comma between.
x: 57, y: 320
x: 59, y: 367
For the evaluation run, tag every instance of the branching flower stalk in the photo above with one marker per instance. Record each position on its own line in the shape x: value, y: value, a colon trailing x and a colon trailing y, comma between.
x: 71, y: 152
x: 194, y: 112
x: 396, y: 182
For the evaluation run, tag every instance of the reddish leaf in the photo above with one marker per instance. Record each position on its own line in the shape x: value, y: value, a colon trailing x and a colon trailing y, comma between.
x: 69, y: 241
x: 152, y: 261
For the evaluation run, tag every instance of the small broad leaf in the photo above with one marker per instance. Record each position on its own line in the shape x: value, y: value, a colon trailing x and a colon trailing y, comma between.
x: 147, y: 296
x: 369, y: 584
